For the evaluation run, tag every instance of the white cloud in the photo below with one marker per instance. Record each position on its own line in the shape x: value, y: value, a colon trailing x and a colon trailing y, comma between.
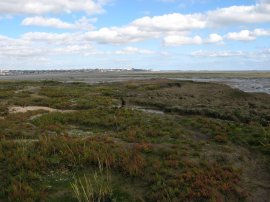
x: 86, y: 49
x: 47, y: 37
x: 82, y: 23
x: 244, y: 35
x: 217, y: 53
x: 171, y: 22
x: 130, y: 34
x: 85, y: 23
x: 18, y: 48
x: 261, y: 32
x: 134, y: 50
x: 175, y: 27
x: 104, y: 36
x: 221, y: 17
x: 47, y: 22
x: 259, y: 13
x: 15, y: 7
x: 182, y: 40
x: 120, y: 35
x: 147, y: 28
x: 44, y: 45
x: 214, y: 38
x: 178, y: 40
x: 259, y: 54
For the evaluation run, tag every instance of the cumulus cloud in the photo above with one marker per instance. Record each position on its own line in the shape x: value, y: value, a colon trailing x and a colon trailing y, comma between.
x: 147, y: 28
x: 171, y: 22
x: 259, y: 13
x: 182, y: 40
x: 246, y: 35
x: 103, y: 36
x: 48, y: 37
x: 214, y: 38
x: 229, y: 53
x: 40, y: 45
x: 46, y: 22
x: 120, y: 35
x: 174, y: 29
x: 18, y: 48
x: 221, y: 17
x: 178, y: 40
x: 127, y: 35
x: 243, y: 35
x: 15, y: 7
x: 133, y: 50
x: 261, y: 32
x: 217, y: 53
x: 82, y: 23
x: 86, y: 49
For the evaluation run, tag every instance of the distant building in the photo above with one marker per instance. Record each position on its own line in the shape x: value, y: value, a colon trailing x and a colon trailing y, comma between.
x: 4, y: 72
x: 35, y: 72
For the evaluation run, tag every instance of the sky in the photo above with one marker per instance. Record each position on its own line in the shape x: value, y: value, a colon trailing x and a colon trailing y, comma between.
x: 150, y: 34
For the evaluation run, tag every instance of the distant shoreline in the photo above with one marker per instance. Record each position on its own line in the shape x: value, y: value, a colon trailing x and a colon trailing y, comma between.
x: 248, y: 81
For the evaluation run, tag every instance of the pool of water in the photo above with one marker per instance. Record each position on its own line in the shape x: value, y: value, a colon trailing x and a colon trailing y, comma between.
x: 247, y: 85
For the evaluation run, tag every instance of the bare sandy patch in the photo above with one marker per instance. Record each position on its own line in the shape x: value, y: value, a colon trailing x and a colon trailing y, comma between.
x: 147, y: 110
x: 19, y: 109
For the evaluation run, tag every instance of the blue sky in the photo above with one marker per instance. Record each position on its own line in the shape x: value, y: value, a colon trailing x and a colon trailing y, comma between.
x: 151, y: 34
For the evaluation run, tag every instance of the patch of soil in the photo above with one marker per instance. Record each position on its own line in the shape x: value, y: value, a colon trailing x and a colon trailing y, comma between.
x: 19, y: 109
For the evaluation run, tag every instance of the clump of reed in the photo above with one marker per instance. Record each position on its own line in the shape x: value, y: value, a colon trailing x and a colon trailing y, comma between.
x: 96, y: 187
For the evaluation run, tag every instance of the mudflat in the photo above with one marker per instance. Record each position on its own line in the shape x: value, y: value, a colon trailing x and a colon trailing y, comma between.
x: 249, y: 81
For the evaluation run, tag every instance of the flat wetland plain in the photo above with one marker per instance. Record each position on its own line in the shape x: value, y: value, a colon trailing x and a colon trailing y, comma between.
x: 144, y: 136
x: 249, y: 81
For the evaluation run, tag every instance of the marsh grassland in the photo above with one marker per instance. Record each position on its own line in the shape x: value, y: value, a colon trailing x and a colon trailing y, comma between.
x: 144, y: 140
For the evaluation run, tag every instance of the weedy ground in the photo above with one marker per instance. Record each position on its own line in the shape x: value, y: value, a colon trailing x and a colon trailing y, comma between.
x: 148, y: 140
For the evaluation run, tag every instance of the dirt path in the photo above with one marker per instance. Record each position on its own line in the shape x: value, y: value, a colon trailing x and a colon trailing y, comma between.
x: 19, y: 109
x: 147, y: 110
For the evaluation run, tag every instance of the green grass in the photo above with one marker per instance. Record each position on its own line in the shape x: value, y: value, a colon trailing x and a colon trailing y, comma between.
x: 96, y: 187
x: 202, y: 148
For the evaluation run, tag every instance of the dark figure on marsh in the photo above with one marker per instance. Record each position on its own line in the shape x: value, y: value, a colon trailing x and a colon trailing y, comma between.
x: 123, y: 102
